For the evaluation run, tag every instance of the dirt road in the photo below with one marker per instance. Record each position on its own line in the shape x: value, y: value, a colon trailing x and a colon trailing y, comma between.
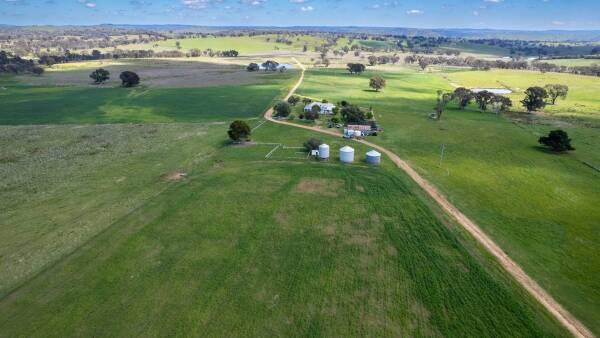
x: 562, y: 315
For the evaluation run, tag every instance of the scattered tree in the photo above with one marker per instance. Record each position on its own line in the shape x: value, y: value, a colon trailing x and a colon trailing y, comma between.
x: 356, y: 68
x: 353, y: 114
x: 483, y: 99
x: 535, y: 98
x: 501, y: 104
x: 555, y: 91
x: 129, y: 79
x: 100, y: 75
x: 293, y: 100
x: 239, y: 131
x: 312, y: 144
x: 372, y: 60
x: 282, y: 109
x: 377, y: 83
x: 463, y: 97
x: 557, y: 140
x: 253, y: 67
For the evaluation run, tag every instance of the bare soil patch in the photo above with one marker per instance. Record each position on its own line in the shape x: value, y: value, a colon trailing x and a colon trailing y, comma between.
x: 176, y: 176
x: 322, y: 186
x: 154, y: 73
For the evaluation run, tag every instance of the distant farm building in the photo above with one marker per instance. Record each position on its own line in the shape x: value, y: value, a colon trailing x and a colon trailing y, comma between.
x: 326, y: 108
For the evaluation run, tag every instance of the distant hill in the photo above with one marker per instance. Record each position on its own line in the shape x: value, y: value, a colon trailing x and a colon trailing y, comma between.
x: 469, y: 33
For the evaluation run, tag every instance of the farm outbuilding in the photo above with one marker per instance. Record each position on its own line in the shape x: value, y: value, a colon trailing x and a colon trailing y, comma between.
x: 347, y: 154
x: 373, y: 157
x: 323, y: 151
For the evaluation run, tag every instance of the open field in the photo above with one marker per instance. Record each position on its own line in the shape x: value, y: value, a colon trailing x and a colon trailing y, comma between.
x: 156, y: 73
x: 495, y: 172
x: 62, y: 185
x: 295, y: 248
x: 243, y: 44
x: 582, y: 101
x: 574, y: 62
x: 80, y: 102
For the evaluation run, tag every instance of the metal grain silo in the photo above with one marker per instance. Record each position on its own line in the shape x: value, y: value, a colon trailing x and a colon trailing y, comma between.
x: 347, y: 154
x: 324, y: 152
x: 373, y: 157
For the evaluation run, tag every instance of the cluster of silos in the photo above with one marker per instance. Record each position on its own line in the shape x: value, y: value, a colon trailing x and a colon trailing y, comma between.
x: 347, y: 154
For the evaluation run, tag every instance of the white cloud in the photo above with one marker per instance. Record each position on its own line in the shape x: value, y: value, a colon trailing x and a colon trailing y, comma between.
x: 298, y: 1
x: 558, y: 23
x: 307, y: 8
x: 494, y: 1
x: 414, y: 12
x: 476, y: 13
x: 90, y: 5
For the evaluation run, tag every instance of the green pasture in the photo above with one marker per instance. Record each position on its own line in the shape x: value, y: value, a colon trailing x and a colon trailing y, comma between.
x: 241, y: 246
x: 541, y: 208
x: 583, y: 100
x: 25, y: 104
x: 574, y: 62
x: 243, y: 44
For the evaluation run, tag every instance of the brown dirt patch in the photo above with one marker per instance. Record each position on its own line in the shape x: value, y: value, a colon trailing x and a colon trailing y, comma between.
x: 176, y: 176
x: 321, y: 186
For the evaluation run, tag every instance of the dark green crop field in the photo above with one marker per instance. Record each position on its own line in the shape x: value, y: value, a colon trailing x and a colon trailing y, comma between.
x: 542, y: 208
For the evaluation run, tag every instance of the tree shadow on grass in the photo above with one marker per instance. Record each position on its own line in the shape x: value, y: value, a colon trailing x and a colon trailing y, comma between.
x: 370, y: 90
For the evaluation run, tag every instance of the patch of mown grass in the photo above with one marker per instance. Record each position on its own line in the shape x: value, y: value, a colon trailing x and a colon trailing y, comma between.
x: 248, y: 247
x: 540, y: 207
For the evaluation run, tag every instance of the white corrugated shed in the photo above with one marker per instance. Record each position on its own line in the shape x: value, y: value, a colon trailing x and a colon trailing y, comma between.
x: 373, y: 157
x: 347, y: 154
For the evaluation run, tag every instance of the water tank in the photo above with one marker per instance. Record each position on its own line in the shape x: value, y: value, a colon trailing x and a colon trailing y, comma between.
x: 347, y: 154
x: 323, y: 151
x: 373, y: 157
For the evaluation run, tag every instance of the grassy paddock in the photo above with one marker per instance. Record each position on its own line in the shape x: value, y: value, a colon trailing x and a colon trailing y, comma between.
x: 27, y: 104
x: 540, y: 207
x: 295, y: 248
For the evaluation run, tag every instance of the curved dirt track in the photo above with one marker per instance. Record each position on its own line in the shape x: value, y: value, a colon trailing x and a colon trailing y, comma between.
x: 563, y: 316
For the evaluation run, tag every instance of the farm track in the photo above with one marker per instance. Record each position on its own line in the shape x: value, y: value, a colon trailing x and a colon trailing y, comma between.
x: 562, y: 315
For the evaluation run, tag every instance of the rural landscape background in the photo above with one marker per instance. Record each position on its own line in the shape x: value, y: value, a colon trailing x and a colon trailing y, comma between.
x: 167, y: 179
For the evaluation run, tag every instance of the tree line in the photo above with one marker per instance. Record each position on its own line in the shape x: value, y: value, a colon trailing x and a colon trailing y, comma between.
x: 425, y: 61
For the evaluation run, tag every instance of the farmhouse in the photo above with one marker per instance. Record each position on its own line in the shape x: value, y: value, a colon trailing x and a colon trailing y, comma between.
x: 326, y: 108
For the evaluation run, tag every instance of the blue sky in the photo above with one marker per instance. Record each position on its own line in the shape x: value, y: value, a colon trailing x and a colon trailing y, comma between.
x: 501, y: 14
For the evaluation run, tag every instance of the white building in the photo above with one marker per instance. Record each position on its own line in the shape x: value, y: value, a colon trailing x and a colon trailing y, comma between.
x: 326, y: 108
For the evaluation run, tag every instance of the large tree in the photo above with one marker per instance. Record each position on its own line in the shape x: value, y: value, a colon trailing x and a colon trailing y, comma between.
x: 129, y: 79
x: 501, y: 104
x: 100, y: 75
x: 282, y: 109
x: 463, y: 97
x: 535, y: 98
x: 356, y: 68
x: 353, y: 114
x: 555, y: 91
x: 372, y: 60
x: 483, y: 99
x: 377, y: 83
x: 239, y: 131
x: 558, y: 140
